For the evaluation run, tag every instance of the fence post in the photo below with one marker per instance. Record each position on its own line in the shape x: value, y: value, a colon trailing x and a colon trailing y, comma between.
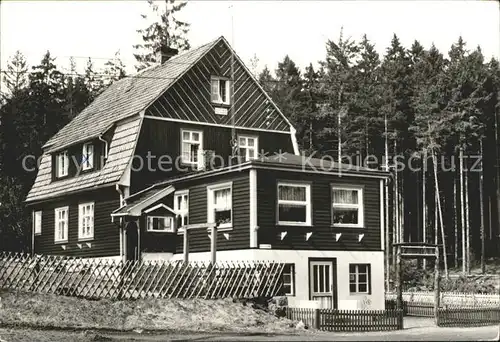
x: 399, y: 289
x: 316, y: 318
x: 436, y: 286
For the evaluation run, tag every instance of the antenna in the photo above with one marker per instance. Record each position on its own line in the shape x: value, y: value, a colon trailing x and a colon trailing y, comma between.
x: 231, y: 109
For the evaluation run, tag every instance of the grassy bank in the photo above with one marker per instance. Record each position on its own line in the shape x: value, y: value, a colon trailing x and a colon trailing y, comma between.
x: 43, y: 310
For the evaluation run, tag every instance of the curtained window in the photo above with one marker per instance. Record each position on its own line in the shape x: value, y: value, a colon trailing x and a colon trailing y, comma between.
x: 294, y: 204
x: 347, y: 206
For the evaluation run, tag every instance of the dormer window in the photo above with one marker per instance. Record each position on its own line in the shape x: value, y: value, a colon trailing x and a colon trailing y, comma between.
x: 220, y: 90
x: 62, y: 163
x: 87, y: 156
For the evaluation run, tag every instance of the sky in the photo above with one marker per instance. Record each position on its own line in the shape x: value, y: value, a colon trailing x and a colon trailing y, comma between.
x: 268, y: 30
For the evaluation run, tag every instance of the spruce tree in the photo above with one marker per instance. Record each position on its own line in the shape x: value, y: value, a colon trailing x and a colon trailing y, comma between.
x: 16, y: 75
x: 164, y: 30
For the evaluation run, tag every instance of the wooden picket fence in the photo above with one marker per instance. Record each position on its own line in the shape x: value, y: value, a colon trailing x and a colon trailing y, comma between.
x: 348, y: 320
x: 412, y: 308
x: 449, y: 298
x: 463, y: 317
x: 105, y: 278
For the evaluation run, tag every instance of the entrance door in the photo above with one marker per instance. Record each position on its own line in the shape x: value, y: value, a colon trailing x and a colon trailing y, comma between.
x: 322, y: 285
x: 131, y: 241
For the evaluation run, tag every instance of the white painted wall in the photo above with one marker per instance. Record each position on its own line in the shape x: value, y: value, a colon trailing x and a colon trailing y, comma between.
x: 373, y: 301
x: 156, y: 256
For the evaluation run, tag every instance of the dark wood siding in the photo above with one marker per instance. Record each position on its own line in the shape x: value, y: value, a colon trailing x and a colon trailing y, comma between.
x: 189, y: 98
x: 162, y: 138
x: 239, y: 236
x: 154, y: 242
x: 106, y: 240
x: 323, y: 237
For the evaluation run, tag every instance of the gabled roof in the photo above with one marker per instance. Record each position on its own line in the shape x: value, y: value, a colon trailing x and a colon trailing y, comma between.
x: 126, y: 97
x: 137, y: 203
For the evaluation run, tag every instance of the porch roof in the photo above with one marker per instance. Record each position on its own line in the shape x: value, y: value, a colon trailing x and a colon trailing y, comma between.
x: 135, y: 204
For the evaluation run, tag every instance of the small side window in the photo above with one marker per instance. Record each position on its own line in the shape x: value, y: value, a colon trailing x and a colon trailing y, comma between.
x: 37, y: 222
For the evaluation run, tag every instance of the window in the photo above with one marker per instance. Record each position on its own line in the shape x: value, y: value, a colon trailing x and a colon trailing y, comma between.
x: 61, y: 224
x: 37, y: 222
x: 220, y: 205
x: 359, y: 278
x: 88, y: 156
x: 294, y: 204
x: 289, y: 280
x: 160, y: 224
x: 249, y: 147
x: 220, y: 90
x: 86, y: 221
x: 192, y: 146
x: 347, y: 206
x: 62, y: 164
x: 181, y: 207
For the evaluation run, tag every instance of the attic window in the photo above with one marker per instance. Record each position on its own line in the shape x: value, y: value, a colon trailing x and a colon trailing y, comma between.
x: 87, y: 156
x: 220, y: 90
x: 62, y: 163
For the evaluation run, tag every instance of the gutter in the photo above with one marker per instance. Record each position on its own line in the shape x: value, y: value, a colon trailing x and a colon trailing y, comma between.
x: 51, y: 198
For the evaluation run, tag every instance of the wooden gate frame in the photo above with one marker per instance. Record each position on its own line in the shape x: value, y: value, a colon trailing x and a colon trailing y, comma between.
x: 417, y: 250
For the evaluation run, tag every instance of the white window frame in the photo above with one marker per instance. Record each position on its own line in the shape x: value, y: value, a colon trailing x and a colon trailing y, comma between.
x: 359, y: 205
x: 292, y: 279
x: 83, y: 233
x: 57, y: 223
x: 150, y: 218
x: 88, y: 156
x: 215, y: 90
x: 179, y: 211
x: 191, y: 141
x: 37, y: 222
x: 247, y: 148
x: 62, y: 164
x: 211, y: 189
x: 356, y: 278
x: 307, y: 203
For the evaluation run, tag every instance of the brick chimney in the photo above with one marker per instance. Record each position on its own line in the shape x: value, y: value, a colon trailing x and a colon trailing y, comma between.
x: 164, y: 53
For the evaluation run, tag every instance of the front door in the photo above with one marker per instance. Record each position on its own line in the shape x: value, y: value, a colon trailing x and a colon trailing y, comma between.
x: 322, y: 284
x: 131, y: 241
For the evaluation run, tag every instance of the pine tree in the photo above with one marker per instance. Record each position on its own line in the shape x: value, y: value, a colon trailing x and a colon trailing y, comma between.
x: 338, y: 90
x: 16, y: 76
x: 288, y: 87
x: 114, y: 69
x: 267, y: 81
x: 366, y: 122
x: 93, y: 81
x: 254, y: 64
x: 308, y: 109
x: 164, y: 31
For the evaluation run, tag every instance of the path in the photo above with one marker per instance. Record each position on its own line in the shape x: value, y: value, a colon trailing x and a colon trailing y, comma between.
x: 488, y: 333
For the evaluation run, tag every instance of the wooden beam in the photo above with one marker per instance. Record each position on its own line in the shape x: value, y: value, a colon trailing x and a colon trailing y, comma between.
x: 186, y: 245
x: 213, y: 244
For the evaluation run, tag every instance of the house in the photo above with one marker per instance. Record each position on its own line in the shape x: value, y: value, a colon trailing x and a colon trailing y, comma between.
x: 148, y: 171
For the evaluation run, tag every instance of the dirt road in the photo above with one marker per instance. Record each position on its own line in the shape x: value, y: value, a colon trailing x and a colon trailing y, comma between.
x: 410, y: 334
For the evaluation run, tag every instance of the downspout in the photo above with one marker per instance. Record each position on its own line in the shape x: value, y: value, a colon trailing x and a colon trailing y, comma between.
x: 121, y: 221
x: 105, y: 147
